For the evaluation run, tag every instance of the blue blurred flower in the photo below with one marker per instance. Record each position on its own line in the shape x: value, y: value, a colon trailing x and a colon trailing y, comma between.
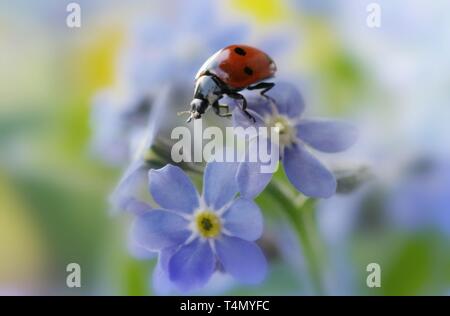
x: 117, y: 123
x: 421, y: 199
x: 171, y: 45
x: 197, y: 235
x: 282, y: 109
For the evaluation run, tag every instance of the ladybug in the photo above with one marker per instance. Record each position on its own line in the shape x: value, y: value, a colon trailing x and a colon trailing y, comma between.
x: 230, y: 70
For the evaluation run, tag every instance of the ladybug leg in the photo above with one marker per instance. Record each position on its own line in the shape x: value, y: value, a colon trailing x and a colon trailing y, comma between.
x: 265, y: 86
x: 216, y: 107
x: 238, y: 96
x: 223, y: 106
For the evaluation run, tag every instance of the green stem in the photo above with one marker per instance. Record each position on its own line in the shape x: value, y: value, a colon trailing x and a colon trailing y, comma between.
x: 302, y: 219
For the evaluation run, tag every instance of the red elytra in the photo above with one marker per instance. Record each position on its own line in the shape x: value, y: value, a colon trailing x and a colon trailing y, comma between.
x: 239, y: 66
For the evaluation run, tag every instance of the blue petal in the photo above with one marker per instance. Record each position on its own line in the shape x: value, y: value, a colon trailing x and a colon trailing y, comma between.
x: 254, y: 174
x: 172, y: 189
x: 327, y: 136
x: 243, y: 219
x: 160, y: 229
x: 287, y: 98
x: 307, y: 173
x: 137, y: 207
x: 240, y: 119
x: 230, y: 102
x: 160, y: 279
x: 242, y: 259
x: 251, y: 180
x: 192, y: 265
x: 109, y: 135
x: 125, y: 192
x: 155, y: 119
x: 257, y: 105
x: 283, y: 98
x: 219, y: 184
x: 138, y: 251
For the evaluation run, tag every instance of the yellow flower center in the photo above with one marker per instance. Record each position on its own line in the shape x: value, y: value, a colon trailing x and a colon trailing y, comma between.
x: 286, y: 131
x: 208, y: 224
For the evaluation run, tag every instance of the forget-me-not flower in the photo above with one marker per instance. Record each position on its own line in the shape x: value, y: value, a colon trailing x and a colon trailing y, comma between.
x: 198, y: 234
x: 282, y: 109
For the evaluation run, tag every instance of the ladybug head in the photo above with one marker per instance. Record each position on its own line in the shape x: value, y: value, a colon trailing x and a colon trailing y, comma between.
x: 198, y: 107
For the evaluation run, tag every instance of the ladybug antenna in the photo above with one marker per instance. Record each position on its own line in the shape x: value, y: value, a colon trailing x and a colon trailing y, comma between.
x: 183, y: 112
x: 186, y: 112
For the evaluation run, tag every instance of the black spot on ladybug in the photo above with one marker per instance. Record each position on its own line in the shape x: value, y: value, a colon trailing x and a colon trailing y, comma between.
x: 240, y: 51
x: 248, y: 71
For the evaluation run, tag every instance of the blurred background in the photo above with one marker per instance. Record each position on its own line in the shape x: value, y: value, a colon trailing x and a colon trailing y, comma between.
x: 74, y: 100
